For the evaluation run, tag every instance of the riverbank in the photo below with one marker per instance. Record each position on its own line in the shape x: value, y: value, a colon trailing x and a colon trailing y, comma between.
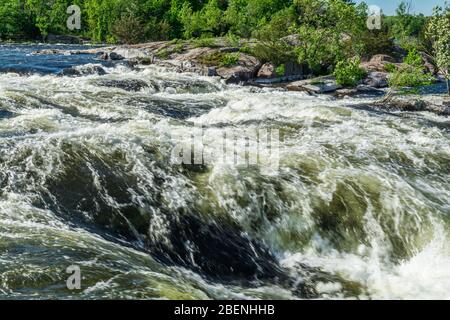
x: 236, y: 65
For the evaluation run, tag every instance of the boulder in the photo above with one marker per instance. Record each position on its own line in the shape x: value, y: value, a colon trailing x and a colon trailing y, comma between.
x: 246, y: 69
x: 377, y: 79
x: 125, y: 84
x: 316, y: 85
x: 267, y: 71
x: 378, y: 63
x: 432, y: 103
x: 115, y: 56
x: 322, y: 87
x: 82, y: 71
x: 292, y: 40
x: 110, y: 56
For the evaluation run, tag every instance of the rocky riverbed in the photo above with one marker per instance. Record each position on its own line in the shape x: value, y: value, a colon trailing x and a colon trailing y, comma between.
x: 248, y: 70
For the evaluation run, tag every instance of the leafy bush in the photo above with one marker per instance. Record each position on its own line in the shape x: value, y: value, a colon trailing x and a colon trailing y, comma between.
x: 390, y: 67
x: 438, y: 33
x: 413, y: 59
x: 246, y: 49
x: 411, y: 73
x: 229, y: 59
x: 204, y: 43
x: 163, y: 54
x: 348, y: 72
x: 409, y: 76
x: 205, y: 22
x: 272, y: 45
x: 128, y: 29
x: 233, y: 40
x: 281, y: 70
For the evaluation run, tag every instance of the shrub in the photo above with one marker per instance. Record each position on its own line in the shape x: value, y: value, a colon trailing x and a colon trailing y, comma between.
x: 412, y: 73
x: 246, y: 49
x: 204, y: 42
x: 128, y: 29
x: 390, y: 67
x: 414, y: 59
x: 233, y: 40
x: 281, y: 70
x: 409, y: 76
x: 229, y: 59
x: 348, y: 72
x: 163, y: 54
x: 438, y: 33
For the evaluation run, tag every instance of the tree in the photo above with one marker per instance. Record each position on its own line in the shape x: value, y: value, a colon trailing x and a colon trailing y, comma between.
x: 128, y: 29
x: 329, y: 31
x: 13, y: 20
x: 406, y: 28
x: 438, y: 32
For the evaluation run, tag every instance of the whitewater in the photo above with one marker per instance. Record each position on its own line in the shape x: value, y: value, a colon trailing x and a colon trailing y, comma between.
x: 358, y: 209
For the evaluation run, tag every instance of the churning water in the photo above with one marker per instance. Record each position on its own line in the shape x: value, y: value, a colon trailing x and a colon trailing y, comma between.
x: 359, y: 208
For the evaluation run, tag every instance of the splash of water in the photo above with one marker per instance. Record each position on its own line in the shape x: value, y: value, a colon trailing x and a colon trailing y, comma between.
x: 359, y: 208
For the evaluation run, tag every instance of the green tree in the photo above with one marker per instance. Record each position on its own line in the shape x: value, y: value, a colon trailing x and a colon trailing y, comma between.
x: 406, y: 27
x: 329, y: 31
x: 438, y: 32
x: 14, y: 21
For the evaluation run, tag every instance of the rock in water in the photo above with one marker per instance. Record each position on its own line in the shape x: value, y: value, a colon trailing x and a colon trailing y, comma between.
x: 115, y: 56
x: 377, y: 79
x: 267, y: 71
x: 244, y: 70
x: 219, y: 249
x: 126, y: 84
x: 83, y: 71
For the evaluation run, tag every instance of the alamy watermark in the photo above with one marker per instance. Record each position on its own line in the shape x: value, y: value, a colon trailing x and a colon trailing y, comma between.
x: 236, y: 147
x: 374, y: 18
x: 74, y: 21
x: 74, y: 280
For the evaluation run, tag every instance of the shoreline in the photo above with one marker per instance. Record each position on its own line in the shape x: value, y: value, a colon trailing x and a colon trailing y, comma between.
x: 247, y: 70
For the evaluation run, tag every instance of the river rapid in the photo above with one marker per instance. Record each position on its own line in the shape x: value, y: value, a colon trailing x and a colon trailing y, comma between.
x: 358, y: 208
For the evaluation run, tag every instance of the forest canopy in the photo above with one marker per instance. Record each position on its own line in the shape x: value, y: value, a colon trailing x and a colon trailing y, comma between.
x: 147, y: 20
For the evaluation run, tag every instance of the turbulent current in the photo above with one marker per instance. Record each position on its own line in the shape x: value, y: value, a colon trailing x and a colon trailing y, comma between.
x: 358, y: 208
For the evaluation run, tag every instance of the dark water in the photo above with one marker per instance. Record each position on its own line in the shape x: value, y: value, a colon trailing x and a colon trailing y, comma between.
x: 21, y: 59
x: 359, y: 207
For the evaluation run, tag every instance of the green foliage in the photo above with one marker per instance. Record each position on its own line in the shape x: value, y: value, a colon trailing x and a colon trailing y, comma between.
x: 348, y: 72
x: 409, y: 76
x: 204, y: 43
x: 233, y: 40
x: 212, y: 59
x: 413, y: 59
x: 411, y: 73
x: 206, y: 22
x: 243, y: 17
x: 405, y: 27
x: 438, y: 32
x: 281, y: 70
x: 229, y: 59
x: 128, y: 29
x: 272, y: 45
x: 163, y: 54
x: 390, y: 67
x: 12, y: 19
x: 329, y: 31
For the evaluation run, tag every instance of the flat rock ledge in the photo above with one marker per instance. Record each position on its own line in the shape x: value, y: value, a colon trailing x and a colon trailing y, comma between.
x: 438, y: 104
